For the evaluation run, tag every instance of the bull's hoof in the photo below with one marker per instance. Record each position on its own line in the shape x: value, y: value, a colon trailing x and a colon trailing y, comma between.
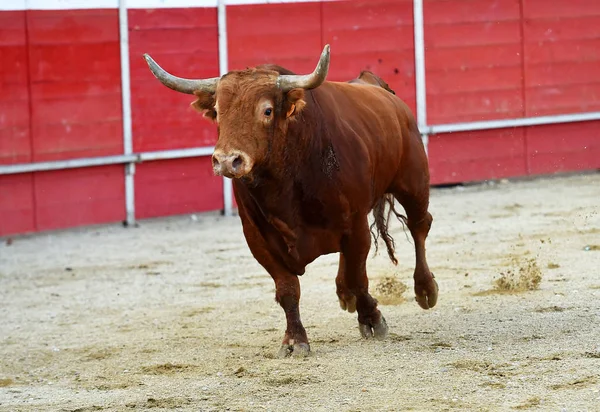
x: 297, y: 350
x: 426, y: 295
x: 378, y: 331
x: 348, y: 303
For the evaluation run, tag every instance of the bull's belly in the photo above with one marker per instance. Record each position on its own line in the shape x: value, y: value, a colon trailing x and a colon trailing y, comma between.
x: 315, y: 242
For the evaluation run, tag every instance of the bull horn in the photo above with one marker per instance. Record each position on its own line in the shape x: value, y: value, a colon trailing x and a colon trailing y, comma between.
x: 308, y: 81
x: 188, y: 86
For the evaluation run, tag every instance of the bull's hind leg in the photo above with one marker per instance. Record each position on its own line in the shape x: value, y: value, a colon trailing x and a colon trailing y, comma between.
x: 352, y: 281
x: 413, y: 193
x: 345, y: 296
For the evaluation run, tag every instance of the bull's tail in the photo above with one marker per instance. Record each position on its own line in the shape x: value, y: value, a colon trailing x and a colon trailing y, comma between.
x: 382, y: 221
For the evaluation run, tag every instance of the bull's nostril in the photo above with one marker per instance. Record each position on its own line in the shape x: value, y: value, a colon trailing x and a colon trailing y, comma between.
x: 237, y: 162
x: 215, y: 162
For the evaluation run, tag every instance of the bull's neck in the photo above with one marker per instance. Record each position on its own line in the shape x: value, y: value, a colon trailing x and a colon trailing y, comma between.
x: 302, y: 150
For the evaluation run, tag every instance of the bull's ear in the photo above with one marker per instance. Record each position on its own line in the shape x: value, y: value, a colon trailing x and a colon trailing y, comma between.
x: 205, y: 104
x: 294, y: 102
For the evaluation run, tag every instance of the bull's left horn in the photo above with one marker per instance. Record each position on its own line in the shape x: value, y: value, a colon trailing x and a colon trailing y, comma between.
x: 188, y: 86
x: 308, y: 81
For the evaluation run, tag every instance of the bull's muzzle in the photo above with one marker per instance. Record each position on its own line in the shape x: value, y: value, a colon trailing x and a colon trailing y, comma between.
x: 234, y: 164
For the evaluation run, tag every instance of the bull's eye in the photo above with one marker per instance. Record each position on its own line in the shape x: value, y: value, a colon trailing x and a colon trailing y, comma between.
x: 268, y: 112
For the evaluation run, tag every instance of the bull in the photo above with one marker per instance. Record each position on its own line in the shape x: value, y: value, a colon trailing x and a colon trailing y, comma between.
x: 309, y: 160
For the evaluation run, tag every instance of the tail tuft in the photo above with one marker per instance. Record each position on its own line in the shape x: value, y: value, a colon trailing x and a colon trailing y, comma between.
x: 382, y: 221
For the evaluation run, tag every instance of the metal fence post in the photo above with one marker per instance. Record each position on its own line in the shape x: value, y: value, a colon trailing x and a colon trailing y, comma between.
x: 126, y: 102
x: 223, y: 69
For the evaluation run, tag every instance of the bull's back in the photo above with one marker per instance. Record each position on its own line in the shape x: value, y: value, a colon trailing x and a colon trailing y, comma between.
x: 367, y: 125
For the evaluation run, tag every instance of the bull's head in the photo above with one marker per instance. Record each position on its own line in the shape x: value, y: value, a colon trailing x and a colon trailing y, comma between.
x: 252, y: 109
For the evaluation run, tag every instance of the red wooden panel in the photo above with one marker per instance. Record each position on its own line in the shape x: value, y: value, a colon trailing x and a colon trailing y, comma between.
x: 75, y: 63
x: 568, y: 51
x: 563, y: 99
x: 372, y: 35
x: 53, y: 27
x: 561, y: 29
x: 15, y: 139
x: 479, y: 155
x: 475, y: 106
x: 184, y: 42
x: 563, y: 73
x: 287, y: 34
x: 562, y: 8
x: 16, y: 204
x: 474, y: 80
x: 468, y: 11
x: 508, y: 55
x: 176, y: 187
x: 75, y: 83
x: 473, y: 60
x: 563, y: 147
x: 76, y: 138
x: 75, y: 197
x: 562, y: 56
x: 472, y: 34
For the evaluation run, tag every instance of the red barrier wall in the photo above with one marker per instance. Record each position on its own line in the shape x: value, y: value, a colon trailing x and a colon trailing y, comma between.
x: 60, y: 91
x: 185, y: 42
x: 496, y: 59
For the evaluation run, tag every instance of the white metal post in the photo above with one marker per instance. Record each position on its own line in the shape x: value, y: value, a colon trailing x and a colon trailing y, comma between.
x: 126, y: 103
x: 420, y: 85
x: 223, y: 69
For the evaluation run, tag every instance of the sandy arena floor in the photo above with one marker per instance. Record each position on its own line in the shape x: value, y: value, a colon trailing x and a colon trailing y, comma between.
x: 177, y: 315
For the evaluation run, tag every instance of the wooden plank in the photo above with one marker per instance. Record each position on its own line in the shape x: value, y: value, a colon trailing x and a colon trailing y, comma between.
x: 252, y: 28
x: 77, y: 197
x: 472, y: 34
x: 560, y: 99
x: 565, y: 51
x: 562, y: 8
x: 177, y: 186
x: 375, y: 36
x: 560, y: 73
x: 475, y: 106
x: 15, y: 140
x: 15, y: 143
x: 52, y: 27
x: 473, y: 60
x: 357, y: 15
x: 469, y: 11
x: 174, y: 18
x: 16, y: 204
x: 564, y: 147
x: 474, y: 80
x: 75, y: 74
x: 469, y: 156
x: 561, y: 29
x: 161, y: 118
x: 75, y: 140
x: 69, y: 62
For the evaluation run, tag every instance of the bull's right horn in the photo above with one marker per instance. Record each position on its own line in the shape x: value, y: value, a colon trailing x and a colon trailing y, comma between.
x: 188, y: 86
x: 287, y: 82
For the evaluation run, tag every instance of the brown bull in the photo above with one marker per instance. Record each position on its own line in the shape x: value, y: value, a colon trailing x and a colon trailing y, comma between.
x: 310, y: 159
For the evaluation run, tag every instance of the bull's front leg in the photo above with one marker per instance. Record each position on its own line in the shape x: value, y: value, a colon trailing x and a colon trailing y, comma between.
x: 287, y: 294
x: 355, y: 249
x: 287, y: 289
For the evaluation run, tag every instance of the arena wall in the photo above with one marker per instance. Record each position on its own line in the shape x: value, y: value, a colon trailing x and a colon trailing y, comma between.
x: 61, y: 91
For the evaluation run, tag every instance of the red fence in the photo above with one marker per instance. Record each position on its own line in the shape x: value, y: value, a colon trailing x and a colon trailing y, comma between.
x: 60, y: 92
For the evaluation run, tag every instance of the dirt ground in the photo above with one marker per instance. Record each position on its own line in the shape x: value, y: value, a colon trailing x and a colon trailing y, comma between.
x: 177, y: 315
